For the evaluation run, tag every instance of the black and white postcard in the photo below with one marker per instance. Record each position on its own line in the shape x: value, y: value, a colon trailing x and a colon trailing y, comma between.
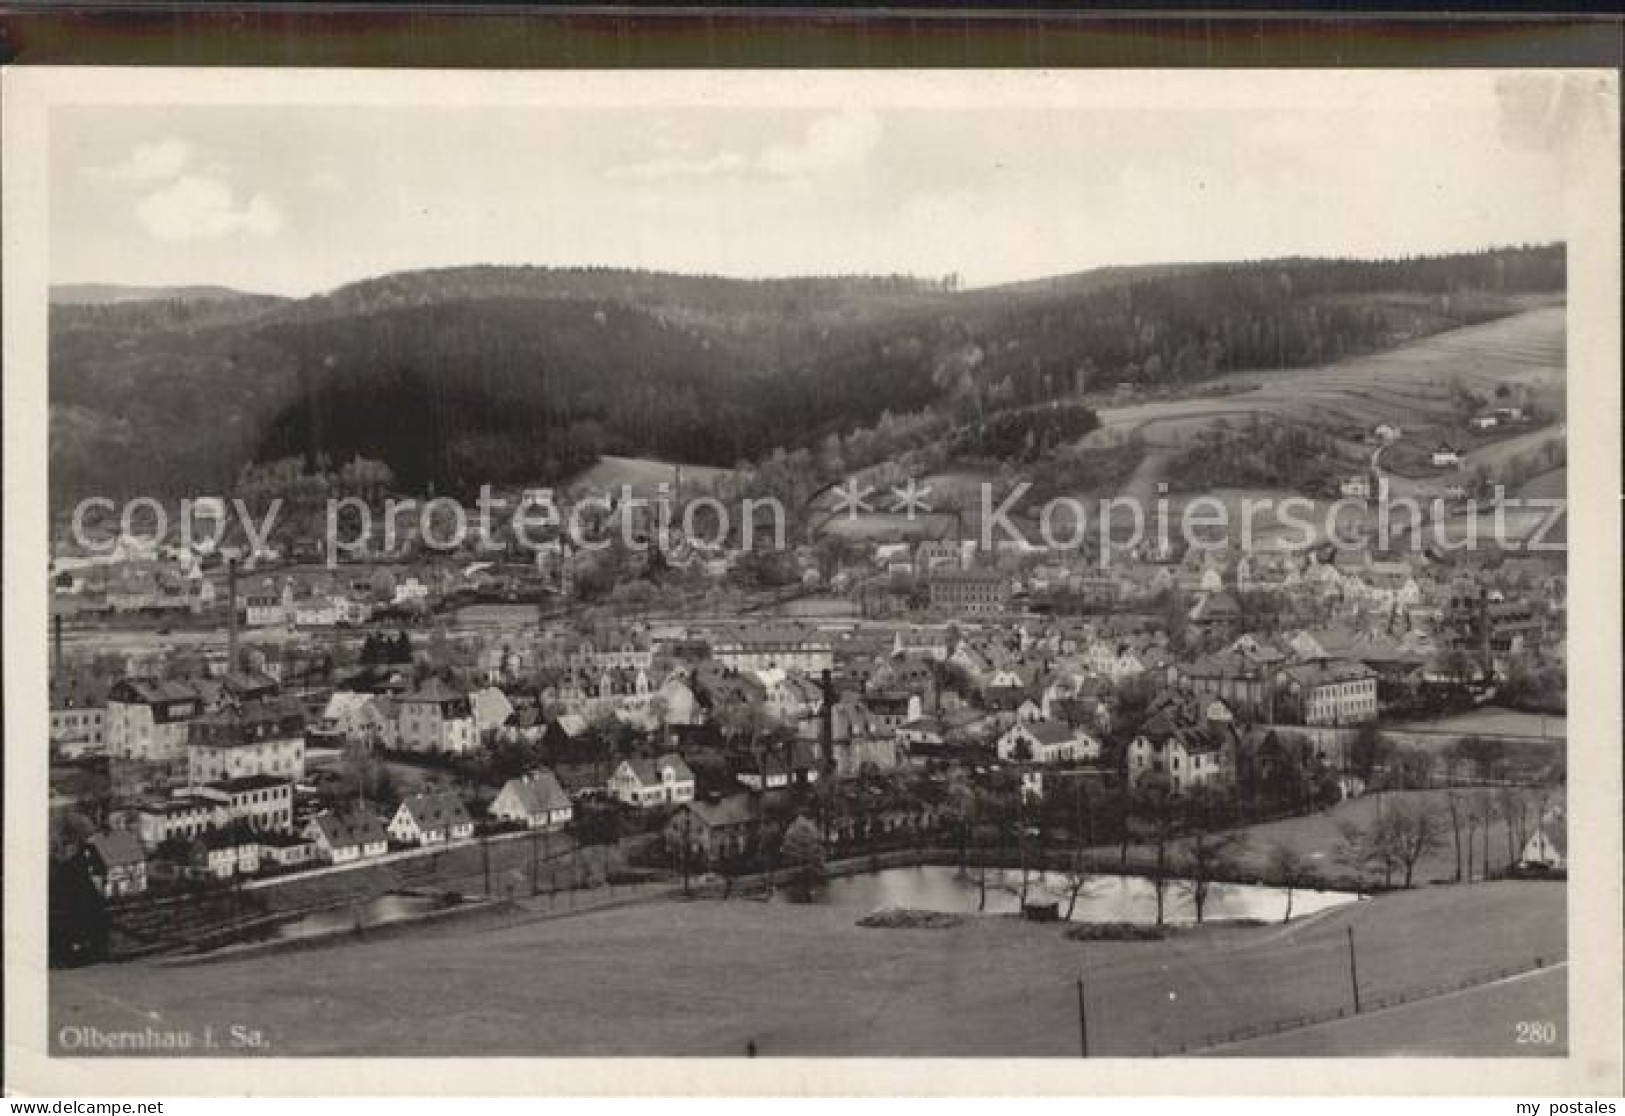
x: 1105, y: 569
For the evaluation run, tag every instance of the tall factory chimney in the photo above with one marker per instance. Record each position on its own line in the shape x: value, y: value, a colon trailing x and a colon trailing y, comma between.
x: 56, y: 642
x: 826, y: 747
x: 231, y: 614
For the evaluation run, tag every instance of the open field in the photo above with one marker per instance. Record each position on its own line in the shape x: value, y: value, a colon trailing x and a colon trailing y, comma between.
x: 1408, y: 386
x: 1453, y: 1025
x: 1550, y: 485
x: 641, y: 473
x: 1492, y: 719
x: 1411, y: 386
x: 707, y: 977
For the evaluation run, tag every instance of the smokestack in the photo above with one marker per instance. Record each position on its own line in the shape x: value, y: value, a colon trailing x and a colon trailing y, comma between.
x: 826, y: 720
x: 231, y: 614
x: 56, y: 642
x: 826, y: 742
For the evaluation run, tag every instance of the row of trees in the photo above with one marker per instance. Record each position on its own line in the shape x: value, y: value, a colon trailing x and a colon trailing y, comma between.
x: 458, y: 380
x: 1407, y: 830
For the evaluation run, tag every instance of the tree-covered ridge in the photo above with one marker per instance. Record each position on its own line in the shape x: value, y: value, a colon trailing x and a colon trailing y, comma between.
x: 460, y: 376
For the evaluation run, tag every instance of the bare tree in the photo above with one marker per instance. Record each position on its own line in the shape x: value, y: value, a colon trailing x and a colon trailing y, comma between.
x: 1075, y: 881
x: 1354, y: 850
x: 1207, y: 858
x: 1514, y: 809
x: 1484, y: 805
x: 1370, y: 848
x: 1289, y: 868
x: 1453, y: 804
x: 1155, y: 816
x: 1413, y: 831
x: 1470, y: 816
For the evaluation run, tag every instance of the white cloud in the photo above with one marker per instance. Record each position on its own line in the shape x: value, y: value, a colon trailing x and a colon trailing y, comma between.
x: 832, y: 143
x: 148, y: 162
x: 194, y: 207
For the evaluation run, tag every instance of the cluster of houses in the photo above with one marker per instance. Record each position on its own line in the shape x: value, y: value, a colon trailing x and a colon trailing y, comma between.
x: 176, y: 584
x: 223, y: 755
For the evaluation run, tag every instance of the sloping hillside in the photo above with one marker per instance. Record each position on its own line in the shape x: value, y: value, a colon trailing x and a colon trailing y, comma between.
x: 459, y: 376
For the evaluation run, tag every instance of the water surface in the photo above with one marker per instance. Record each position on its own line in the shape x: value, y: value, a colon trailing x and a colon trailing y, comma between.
x: 1104, y: 899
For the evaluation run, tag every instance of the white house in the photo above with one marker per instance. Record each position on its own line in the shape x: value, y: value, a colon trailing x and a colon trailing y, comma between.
x: 358, y: 716
x: 1187, y: 742
x: 645, y: 782
x: 431, y: 819
x: 535, y: 800
x: 224, y: 853
x: 1445, y: 457
x: 1549, y: 847
x: 1356, y: 486
x: 409, y: 590
x: 343, y: 838
x: 1047, y: 742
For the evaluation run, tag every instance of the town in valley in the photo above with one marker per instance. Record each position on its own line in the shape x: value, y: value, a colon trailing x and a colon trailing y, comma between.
x: 908, y: 765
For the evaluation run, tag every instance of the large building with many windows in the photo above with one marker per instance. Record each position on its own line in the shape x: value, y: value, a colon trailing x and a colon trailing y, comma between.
x: 1337, y: 692
x: 968, y: 591
x: 255, y: 738
x: 149, y: 721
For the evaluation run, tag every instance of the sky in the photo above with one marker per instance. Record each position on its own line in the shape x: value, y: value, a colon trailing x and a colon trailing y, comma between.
x: 300, y: 198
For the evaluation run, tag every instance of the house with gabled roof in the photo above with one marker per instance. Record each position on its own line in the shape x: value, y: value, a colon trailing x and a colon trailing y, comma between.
x: 1548, y: 848
x: 709, y: 831
x: 435, y: 718
x: 431, y: 819
x: 793, y: 763
x: 1445, y: 456
x: 233, y: 850
x: 255, y: 738
x: 1238, y: 679
x: 357, y: 716
x: 534, y: 800
x: 652, y: 782
x: 116, y: 863
x: 1047, y: 742
x: 1187, y: 741
x: 342, y: 837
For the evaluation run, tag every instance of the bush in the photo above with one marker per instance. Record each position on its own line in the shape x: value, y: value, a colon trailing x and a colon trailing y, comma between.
x: 1119, y: 932
x: 898, y: 918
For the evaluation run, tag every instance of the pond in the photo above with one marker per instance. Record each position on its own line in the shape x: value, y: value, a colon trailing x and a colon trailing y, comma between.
x: 393, y: 907
x: 1105, y: 899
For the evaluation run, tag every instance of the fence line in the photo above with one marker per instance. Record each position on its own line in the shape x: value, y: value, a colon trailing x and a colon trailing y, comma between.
x: 1367, y: 1006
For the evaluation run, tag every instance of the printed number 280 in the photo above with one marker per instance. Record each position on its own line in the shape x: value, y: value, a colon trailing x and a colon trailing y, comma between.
x: 1536, y: 1032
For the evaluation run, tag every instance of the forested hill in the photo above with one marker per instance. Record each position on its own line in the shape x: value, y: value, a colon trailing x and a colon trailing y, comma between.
x: 463, y: 375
